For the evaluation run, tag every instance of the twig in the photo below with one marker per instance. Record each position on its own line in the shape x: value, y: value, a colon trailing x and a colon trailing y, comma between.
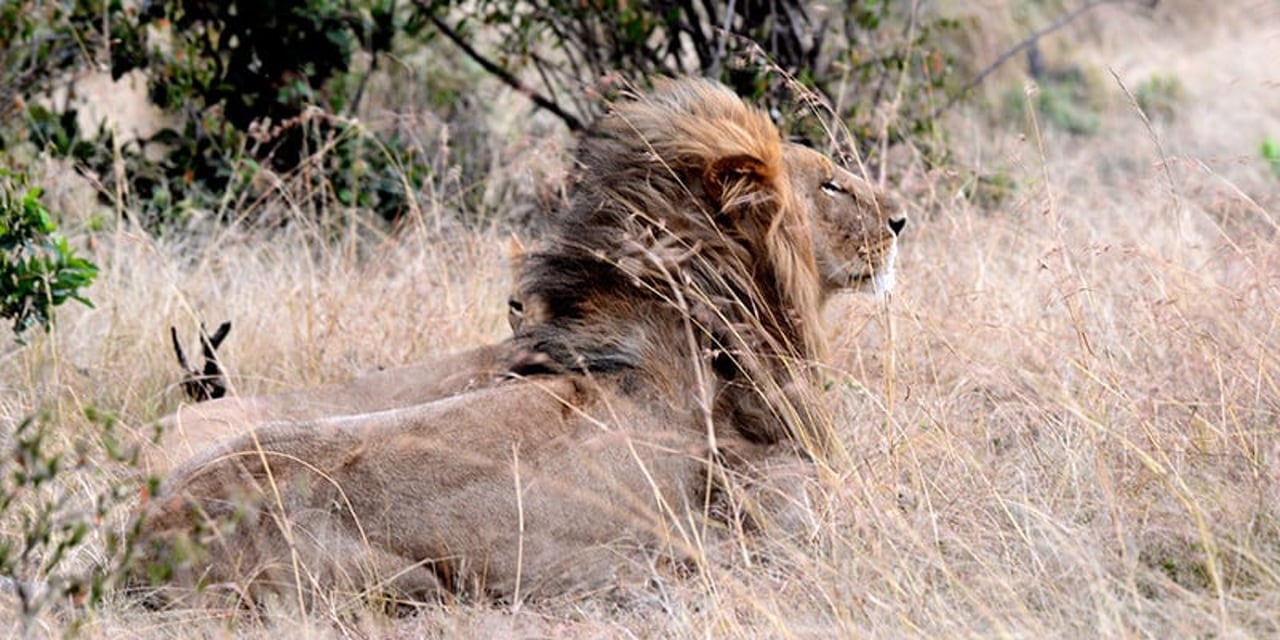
x: 1061, y: 22
x: 373, y: 66
x: 364, y: 81
x: 907, y: 30
x: 691, y: 26
x: 505, y: 76
x: 721, y: 39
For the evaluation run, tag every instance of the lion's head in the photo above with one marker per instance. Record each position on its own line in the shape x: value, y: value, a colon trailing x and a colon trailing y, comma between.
x: 854, y: 226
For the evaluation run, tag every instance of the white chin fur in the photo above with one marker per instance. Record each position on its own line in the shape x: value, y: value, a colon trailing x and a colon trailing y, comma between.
x: 882, y: 282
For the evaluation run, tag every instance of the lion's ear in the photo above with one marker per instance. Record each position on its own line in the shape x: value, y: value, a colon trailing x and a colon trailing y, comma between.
x: 731, y: 174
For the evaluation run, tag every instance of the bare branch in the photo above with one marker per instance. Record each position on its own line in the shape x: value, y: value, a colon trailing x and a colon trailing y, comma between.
x: 497, y: 71
x: 722, y: 39
x: 691, y: 25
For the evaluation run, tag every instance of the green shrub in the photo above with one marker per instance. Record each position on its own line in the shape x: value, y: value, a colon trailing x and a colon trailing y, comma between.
x: 1061, y: 104
x: 1159, y: 96
x: 275, y: 86
x: 990, y: 190
x: 877, y: 62
x: 240, y: 77
x: 38, y: 268
x: 1064, y: 100
x: 1271, y: 153
x: 39, y: 41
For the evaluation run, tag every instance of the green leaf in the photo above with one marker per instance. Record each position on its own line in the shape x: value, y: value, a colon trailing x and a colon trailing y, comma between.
x: 1271, y: 153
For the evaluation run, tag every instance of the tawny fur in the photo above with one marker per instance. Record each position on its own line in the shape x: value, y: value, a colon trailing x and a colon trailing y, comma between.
x: 848, y: 228
x: 686, y: 240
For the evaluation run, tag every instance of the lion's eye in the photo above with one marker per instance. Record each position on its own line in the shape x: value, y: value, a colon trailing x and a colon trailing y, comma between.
x: 832, y: 188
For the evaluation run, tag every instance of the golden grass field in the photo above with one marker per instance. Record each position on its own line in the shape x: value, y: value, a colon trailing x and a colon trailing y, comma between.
x: 1065, y: 422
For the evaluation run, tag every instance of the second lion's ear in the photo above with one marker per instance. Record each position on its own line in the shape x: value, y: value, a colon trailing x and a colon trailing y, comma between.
x: 735, y: 177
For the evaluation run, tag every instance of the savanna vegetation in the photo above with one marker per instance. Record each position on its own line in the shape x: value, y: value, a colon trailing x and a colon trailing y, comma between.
x: 1065, y: 421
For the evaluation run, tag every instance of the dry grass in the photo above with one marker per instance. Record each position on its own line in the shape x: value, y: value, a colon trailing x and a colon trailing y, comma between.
x: 1066, y: 421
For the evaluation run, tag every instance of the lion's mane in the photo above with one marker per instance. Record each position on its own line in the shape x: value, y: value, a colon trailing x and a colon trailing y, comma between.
x: 685, y: 244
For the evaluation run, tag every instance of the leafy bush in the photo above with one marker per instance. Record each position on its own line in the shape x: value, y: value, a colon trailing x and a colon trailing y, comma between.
x: 266, y: 93
x: 38, y: 41
x: 238, y: 80
x: 240, y: 77
x: 1067, y: 106
x: 38, y: 268
x: 1067, y: 100
x: 861, y: 57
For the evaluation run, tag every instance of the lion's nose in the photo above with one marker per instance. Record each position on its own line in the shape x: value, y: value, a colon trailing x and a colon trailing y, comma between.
x: 896, y: 225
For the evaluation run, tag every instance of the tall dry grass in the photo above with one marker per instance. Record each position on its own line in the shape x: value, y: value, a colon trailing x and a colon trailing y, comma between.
x: 1066, y: 421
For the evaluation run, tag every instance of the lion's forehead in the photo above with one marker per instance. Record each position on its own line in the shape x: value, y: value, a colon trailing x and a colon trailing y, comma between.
x: 848, y: 180
x: 802, y: 161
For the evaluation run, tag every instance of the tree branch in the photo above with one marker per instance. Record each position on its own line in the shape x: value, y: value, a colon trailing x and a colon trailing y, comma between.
x: 505, y: 76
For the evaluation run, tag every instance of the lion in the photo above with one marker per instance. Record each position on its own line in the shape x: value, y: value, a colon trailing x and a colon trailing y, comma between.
x: 683, y: 277
x: 853, y: 228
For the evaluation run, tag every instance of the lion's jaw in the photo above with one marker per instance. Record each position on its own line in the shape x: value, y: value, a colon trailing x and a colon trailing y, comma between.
x: 855, y: 226
x: 884, y: 279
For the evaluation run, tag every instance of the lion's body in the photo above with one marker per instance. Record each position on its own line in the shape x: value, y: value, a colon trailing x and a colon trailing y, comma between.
x: 409, y: 501
x: 672, y: 323
x: 852, y: 251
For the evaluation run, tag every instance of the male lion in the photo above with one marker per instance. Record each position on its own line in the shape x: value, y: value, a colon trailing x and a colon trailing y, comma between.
x: 681, y: 284
x: 852, y: 226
